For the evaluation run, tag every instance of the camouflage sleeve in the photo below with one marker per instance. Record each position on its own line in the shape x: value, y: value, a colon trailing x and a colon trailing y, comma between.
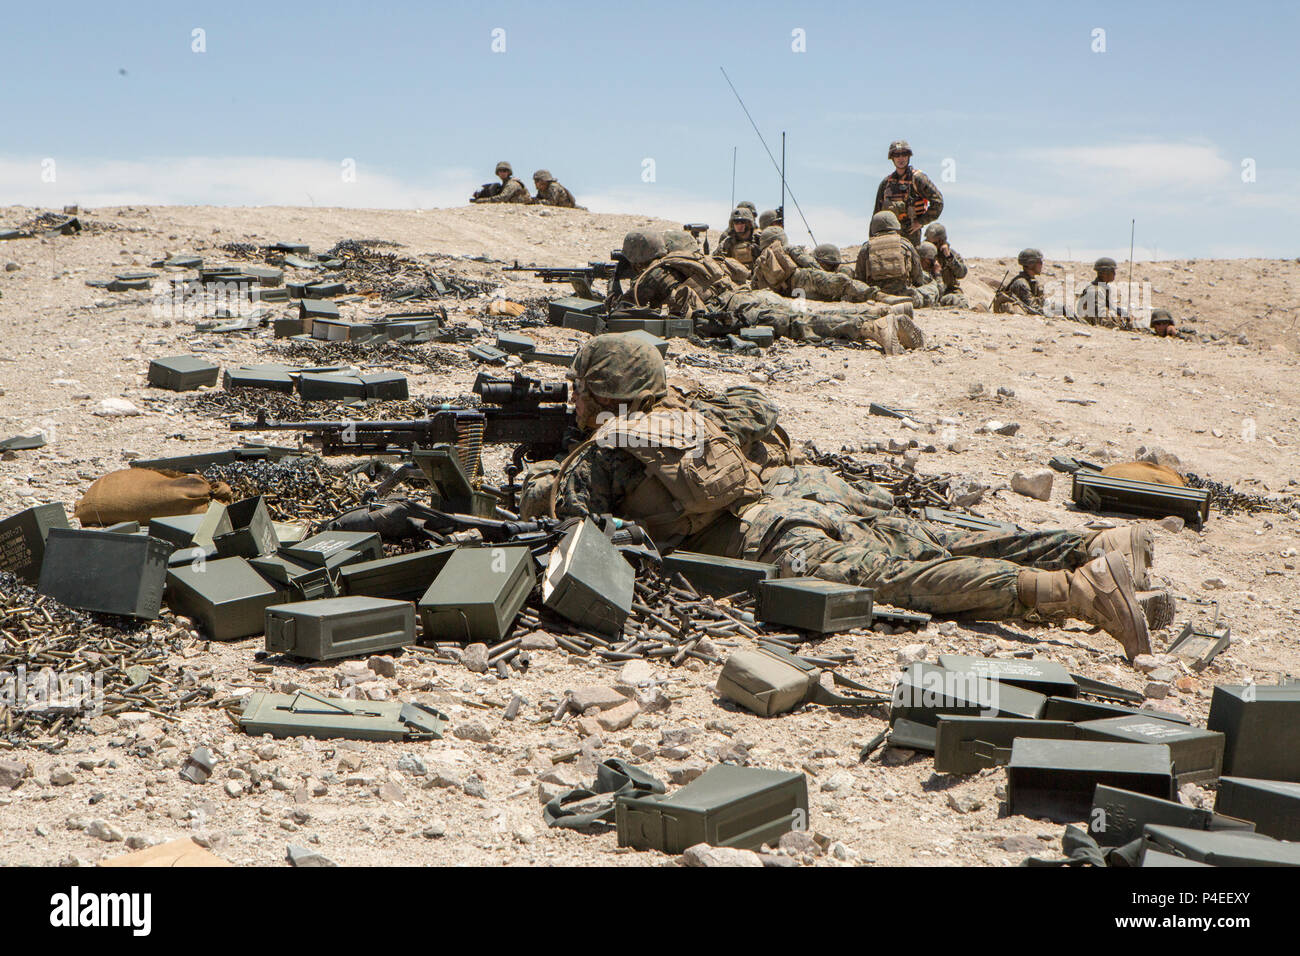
x: 914, y: 264
x: 862, y: 269
x: 880, y: 196
x: 955, y: 264
x: 513, y: 191
x: 926, y: 189
x: 597, y: 481
x: 743, y: 412
x: 1023, y: 291
x: 724, y: 246
x: 803, y: 258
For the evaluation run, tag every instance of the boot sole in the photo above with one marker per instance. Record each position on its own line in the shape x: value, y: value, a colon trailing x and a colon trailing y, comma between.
x: 1158, y: 607
x: 1120, y: 573
x: 1142, y: 543
x: 910, y: 335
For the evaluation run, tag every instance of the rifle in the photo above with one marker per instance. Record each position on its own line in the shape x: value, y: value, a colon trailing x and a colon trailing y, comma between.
x: 1002, y: 291
x: 488, y: 190
x: 581, y: 278
x: 523, y: 411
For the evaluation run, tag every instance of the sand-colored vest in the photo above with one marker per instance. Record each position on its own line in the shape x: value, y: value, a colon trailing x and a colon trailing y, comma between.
x: 693, y: 471
x: 885, y: 255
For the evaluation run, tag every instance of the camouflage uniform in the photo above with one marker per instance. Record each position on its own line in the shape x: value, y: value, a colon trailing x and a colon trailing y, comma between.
x: 512, y: 191
x: 952, y: 268
x: 1098, y: 304
x: 812, y: 280
x: 743, y: 249
x: 898, y: 192
x: 550, y: 192
x: 1024, y: 295
x: 886, y: 260
x: 685, y: 283
x: 808, y: 520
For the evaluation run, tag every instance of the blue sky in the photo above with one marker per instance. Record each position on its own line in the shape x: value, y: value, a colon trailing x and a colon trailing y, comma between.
x: 1044, y: 141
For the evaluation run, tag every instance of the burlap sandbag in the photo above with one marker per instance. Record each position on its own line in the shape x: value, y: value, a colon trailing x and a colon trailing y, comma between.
x: 138, y: 494
x: 1144, y: 471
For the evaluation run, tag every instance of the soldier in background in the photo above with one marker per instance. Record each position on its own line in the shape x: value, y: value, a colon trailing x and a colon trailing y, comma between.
x: 888, y: 261
x: 739, y: 242
x: 952, y: 268
x: 908, y: 193
x: 770, y: 217
x: 1097, y: 303
x: 688, y: 282
x: 829, y: 257
x: 796, y: 273
x: 746, y: 204
x: 736, y: 490
x: 1024, y: 295
x: 550, y: 192
x: 510, y: 190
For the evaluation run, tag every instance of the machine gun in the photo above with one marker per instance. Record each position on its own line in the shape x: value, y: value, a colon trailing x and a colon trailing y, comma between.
x: 581, y: 278
x: 488, y: 190
x: 523, y: 411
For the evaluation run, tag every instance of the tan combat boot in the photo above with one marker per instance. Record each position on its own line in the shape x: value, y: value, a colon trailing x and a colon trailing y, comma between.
x: 883, y: 331
x: 1136, y: 542
x: 1100, y: 592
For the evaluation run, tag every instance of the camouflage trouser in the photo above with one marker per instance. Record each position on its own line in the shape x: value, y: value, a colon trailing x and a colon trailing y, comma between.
x: 822, y: 286
x: 801, y: 528
x: 956, y: 300
x: 855, y: 324
x: 929, y: 293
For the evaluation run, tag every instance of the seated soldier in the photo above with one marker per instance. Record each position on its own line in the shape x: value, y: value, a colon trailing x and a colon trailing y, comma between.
x: 952, y: 268
x: 510, y: 190
x: 550, y: 192
x: 888, y: 261
x: 1024, y: 295
x: 739, y: 242
x: 715, y: 474
x: 688, y: 282
x: 770, y: 217
x: 1097, y: 303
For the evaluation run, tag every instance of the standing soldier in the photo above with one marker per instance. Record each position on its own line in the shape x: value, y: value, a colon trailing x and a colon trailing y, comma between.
x: 908, y: 193
x: 1024, y: 295
x: 951, y: 267
x: 511, y: 190
x: 1097, y: 303
x: 549, y: 192
x: 739, y: 242
x: 887, y: 261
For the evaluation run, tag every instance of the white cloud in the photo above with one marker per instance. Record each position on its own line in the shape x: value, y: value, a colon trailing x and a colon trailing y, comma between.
x: 1139, y: 164
x: 226, y: 181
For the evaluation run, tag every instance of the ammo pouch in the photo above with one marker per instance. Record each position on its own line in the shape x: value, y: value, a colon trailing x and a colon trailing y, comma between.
x: 615, y: 778
x: 773, y: 681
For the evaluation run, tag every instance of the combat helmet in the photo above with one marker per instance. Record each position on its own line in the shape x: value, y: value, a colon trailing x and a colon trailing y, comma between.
x: 770, y: 235
x: 768, y: 217
x: 677, y: 241
x: 884, y: 221
x: 827, y: 255
x: 746, y: 204
x: 543, y: 175
x: 1105, y: 262
x: 927, y: 250
x: 620, y: 367
x: 1029, y: 255
x: 937, y: 233
x: 642, y: 248
x: 899, y: 146
x: 504, y: 167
